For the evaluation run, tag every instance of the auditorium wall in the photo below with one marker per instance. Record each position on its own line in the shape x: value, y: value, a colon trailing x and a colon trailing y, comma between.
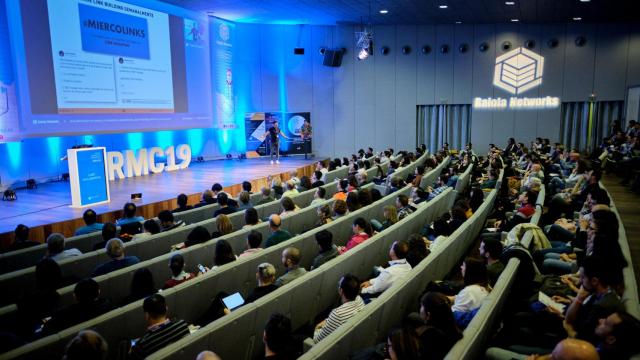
x: 374, y: 101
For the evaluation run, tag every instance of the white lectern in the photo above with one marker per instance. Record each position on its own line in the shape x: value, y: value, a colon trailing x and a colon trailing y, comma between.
x: 88, y: 176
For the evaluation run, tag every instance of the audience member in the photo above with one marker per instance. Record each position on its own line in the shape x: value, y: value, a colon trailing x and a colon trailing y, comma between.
x: 198, y: 235
x: 402, y: 344
x: 291, y: 262
x: 207, y: 198
x: 277, y: 338
x: 88, y: 305
x: 223, y: 226
x: 150, y: 227
x: 129, y: 215
x: 246, y: 186
x: 352, y: 201
x: 402, y: 204
x: 182, y: 201
x: 476, y: 288
x: 398, y: 268
x: 417, y: 250
x: 277, y: 235
x: 254, y: 240
x: 439, y: 332
x: 208, y: 355
x: 361, y: 232
x: 223, y: 254
x: 167, y: 221
x: 250, y: 218
x: 161, y: 331
x: 266, y: 276
x: 109, y: 231
x: 351, y: 304
x: 288, y: 206
x: 244, y: 201
x: 142, y: 285
x: 21, y: 239
x: 318, y: 196
x: 225, y: 207
x: 55, y: 248
x: 266, y: 196
x: 115, y: 250
x: 327, y: 251
x: 316, y: 179
x: 490, y: 250
x: 36, y: 306
x: 291, y: 189
x: 324, y: 214
x: 91, y: 223
x: 88, y: 344
x: 339, y: 209
x: 390, y: 214
x: 176, y: 264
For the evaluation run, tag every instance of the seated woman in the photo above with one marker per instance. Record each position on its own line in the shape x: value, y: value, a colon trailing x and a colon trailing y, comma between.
x: 469, y: 299
x: 390, y: 214
x: 176, y: 264
x: 361, y: 232
x: 198, y: 235
x: 352, y: 202
x: 223, y: 226
x: 439, y: 332
x: 324, y: 215
x: 223, y: 254
x: 288, y: 206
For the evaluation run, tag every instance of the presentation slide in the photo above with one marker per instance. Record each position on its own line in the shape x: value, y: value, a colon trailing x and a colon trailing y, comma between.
x: 99, y: 66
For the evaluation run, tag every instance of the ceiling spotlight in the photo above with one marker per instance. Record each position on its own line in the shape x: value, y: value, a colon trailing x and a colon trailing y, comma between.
x: 384, y: 11
x: 577, y: 18
x: 514, y: 20
x: 510, y: 3
x: 585, y: 0
x: 458, y: 22
x: 364, y: 42
x: 443, y: 6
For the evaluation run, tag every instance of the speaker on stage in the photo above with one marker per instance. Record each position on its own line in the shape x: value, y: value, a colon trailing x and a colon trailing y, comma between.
x: 332, y: 58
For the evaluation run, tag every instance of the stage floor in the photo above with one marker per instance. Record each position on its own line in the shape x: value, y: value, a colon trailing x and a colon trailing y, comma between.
x: 50, y: 202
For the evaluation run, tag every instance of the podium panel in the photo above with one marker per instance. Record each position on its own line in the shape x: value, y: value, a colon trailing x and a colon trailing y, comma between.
x: 88, y: 176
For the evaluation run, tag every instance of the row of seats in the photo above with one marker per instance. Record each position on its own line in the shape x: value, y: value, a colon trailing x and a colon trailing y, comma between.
x: 230, y: 277
x: 23, y: 258
x: 305, y: 297
x: 377, y: 318
x: 115, y: 285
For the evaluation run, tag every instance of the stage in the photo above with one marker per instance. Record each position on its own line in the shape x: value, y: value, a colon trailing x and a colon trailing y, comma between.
x: 46, y: 209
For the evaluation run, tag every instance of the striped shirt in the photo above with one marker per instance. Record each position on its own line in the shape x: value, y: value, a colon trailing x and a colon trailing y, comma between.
x: 337, y: 317
x: 159, y: 336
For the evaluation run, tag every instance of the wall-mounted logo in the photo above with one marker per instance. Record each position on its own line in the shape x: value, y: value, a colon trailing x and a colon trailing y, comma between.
x: 518, y: 70
x: 515, y: 72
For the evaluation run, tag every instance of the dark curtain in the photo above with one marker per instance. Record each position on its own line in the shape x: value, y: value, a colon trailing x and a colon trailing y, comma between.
x: 575, y: 123
x: 438, y: 124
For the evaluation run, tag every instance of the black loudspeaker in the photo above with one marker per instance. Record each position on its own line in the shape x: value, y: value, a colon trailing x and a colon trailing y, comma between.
x: 332, y: 58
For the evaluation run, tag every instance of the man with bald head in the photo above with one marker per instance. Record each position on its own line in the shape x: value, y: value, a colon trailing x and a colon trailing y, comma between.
x: 567, y: 349
x: 277, y: 235
x: 291, y: 262
x: 208, y: 355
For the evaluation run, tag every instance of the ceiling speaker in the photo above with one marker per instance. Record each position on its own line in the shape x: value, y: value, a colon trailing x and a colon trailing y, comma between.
x: 384, y: 50
x: 426, y: 49
x: 406, y: 50
x: 483, y: 47
x: 444, y: 48
x: 530, y: 44
x: 552, y: 43
x: 506, y: 45
x: 581, y: 41
x: 463, y: 48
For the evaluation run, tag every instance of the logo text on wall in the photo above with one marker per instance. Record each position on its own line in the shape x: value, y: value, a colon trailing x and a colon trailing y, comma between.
x: 515, y: 72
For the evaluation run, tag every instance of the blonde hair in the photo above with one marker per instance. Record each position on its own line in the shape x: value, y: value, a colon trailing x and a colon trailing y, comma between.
x: 224, y: 224
x: 391, y: 213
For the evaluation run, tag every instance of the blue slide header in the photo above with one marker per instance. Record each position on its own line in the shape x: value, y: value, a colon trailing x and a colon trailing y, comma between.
x: 113, y: 33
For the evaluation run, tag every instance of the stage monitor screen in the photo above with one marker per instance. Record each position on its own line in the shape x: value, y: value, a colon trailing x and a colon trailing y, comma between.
x: 100, y: 66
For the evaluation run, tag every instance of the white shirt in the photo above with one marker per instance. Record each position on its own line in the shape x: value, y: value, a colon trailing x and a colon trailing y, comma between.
x: 469, y: 298
x: 324, y: 172
x: 396, y: 270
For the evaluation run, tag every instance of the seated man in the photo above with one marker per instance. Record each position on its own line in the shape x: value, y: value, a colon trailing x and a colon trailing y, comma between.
x: 55, y: 248
x: 351, y: 304
x: 109, y: 231
x: 225, y: 208
x: 91, y: 225
x: 115, y: 250
x: 88, y: 305
x: 491, y: 249
x: 398, y: 267
x: 88, y: 344
x: 277, y: 337
x: 167, y: 221
x: 266, y: 276
x: 161, y: 331
x: 291, y: 262
x: 318, y: 196
x: 129, y: 212
x: 206, y: 199
x: 266, y: 196
x: 404, y: 209
x: 254, y: 239
x: 328, y: 250
x: 22, y: 239
x: 182, y: 201
x: 277, y: 235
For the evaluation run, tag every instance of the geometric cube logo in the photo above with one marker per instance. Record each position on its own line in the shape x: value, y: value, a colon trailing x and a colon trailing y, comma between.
x: 518, y: 70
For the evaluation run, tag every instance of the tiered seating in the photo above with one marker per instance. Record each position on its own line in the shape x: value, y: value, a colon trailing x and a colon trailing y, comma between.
x: 235, y: 276
x: 375, y: 320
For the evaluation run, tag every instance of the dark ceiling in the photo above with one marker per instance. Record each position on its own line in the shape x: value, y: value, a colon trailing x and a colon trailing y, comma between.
x: 331, y: 12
